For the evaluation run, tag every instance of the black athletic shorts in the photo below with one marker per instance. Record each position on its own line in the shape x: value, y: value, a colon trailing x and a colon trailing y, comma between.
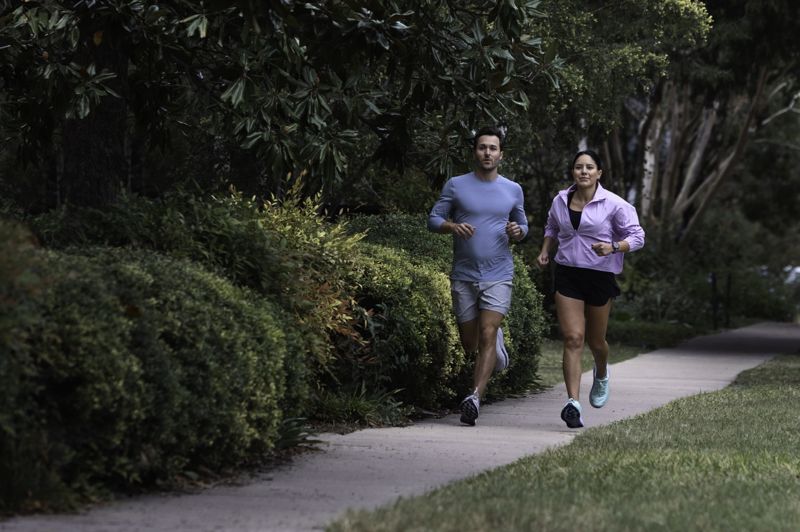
x: 592, y: 286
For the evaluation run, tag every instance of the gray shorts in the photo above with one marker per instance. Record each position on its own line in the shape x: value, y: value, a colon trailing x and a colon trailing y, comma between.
x: 470, y: 297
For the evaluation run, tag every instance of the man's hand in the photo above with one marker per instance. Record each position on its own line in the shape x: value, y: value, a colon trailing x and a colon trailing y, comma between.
x: 514, y: 231
x: 462, y: 230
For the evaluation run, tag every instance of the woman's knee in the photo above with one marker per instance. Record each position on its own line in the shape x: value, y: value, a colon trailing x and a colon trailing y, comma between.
x: 573, y: 340
x: 597, y: 345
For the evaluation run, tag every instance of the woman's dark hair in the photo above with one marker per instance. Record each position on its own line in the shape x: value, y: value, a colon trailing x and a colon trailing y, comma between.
x: 591, y: 153
x: 489, y: 130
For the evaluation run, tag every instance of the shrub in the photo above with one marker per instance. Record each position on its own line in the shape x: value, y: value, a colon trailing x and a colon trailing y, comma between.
x: 649, y: 335
x: 413, y: 336
x: 407, y: 233
x: 20, y: 283
x: 135, y: 368
x: 282, y: 250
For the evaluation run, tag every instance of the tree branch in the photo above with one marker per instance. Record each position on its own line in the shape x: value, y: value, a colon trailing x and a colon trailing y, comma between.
x: 708, y: 120
x: 724, y: 168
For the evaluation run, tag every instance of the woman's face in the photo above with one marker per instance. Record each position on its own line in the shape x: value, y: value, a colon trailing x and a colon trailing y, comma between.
x: 585, y: 172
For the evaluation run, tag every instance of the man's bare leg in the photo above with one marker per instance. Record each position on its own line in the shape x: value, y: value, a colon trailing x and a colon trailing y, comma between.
x: 488, y: 323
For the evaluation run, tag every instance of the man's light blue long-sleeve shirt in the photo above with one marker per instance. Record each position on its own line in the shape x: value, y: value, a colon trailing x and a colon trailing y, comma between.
x: 488, y: 206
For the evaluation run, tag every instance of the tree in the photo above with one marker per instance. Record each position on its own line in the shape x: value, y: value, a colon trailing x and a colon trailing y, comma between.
x: 693, y: 129
x: 604, y: 63
x: 306, y: 86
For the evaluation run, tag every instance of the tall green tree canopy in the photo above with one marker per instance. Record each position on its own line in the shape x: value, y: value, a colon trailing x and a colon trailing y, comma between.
x: 307, y: 86
x: 613, y: 53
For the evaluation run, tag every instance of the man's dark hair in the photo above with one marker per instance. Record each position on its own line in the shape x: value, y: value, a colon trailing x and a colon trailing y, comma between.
x: 591, y: 153
x: 489, y: 130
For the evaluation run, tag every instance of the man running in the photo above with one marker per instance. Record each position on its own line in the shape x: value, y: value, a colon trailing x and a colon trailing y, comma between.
x: 483, y: 211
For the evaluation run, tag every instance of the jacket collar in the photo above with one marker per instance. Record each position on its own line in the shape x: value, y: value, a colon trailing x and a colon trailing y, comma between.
x: 599, y: 195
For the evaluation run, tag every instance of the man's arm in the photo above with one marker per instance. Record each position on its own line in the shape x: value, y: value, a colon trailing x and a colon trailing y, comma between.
x: 439, y: 218
x: 440, y: 212
x: 517, y: 227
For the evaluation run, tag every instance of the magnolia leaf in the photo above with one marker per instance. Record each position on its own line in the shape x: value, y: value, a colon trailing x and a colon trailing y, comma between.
x: 83, y: 106
x: 235, y: 93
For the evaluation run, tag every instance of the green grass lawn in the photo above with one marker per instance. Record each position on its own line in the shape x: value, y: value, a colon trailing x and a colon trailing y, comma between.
x: 550, y: 360
x: 727, y: 460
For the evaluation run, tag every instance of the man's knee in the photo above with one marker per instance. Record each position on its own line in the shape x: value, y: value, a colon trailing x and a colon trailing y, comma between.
x: 469, y: 335
x: 470, y: 345
x: 489, y: 331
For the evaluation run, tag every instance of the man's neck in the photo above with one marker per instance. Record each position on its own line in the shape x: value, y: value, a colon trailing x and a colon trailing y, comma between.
x: 486, y: 176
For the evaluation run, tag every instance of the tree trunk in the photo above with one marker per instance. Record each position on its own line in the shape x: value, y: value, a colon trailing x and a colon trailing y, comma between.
x: 679, y: 158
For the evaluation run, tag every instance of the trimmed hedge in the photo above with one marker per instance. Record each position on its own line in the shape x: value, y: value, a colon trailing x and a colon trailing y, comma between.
x: 283, y: 251
x: 413, y: 335
x: 130, y: 369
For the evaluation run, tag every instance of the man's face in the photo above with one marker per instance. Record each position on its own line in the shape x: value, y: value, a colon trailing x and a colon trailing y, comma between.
x: 487, y: 152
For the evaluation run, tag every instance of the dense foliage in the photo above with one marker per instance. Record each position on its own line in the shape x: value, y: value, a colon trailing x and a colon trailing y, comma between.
x: 284, y: 252
x: 166, y: 337
x: 127, y: 369
x: 258, y: 76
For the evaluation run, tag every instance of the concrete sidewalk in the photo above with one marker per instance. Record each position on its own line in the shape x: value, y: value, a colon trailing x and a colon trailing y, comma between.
x: 372, y: 467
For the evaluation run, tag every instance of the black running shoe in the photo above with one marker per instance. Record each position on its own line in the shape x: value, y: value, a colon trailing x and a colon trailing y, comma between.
x: 571, y: 414
x: 469, y: 409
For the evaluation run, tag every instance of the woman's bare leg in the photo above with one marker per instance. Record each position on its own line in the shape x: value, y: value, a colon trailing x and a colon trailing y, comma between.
x: 572, y: 321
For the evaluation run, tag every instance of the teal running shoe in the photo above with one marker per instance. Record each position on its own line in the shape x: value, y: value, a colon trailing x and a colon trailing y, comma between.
x: 599, y: 394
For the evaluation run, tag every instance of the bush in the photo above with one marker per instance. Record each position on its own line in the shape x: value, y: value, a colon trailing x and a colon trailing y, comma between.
x: 282, y: 250
x: 407, y: 233
x: 20, y: 284
x: 413, y: 335
x: 649, y: 335
x: 134, y: 368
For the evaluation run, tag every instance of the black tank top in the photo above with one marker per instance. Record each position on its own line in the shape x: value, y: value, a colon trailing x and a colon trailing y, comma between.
x: 574, y: 216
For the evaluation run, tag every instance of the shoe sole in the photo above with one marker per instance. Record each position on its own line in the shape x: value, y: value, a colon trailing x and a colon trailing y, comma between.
x: 502, y: 353
x: 572, y: 417
x: 468, y: 413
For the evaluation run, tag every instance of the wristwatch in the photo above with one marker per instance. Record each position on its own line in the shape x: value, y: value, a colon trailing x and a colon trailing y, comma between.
x: 614, y: 247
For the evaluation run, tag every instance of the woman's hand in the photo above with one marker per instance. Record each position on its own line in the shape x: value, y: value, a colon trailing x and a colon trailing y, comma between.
x: 543, y: 259
x: 602, y: 248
